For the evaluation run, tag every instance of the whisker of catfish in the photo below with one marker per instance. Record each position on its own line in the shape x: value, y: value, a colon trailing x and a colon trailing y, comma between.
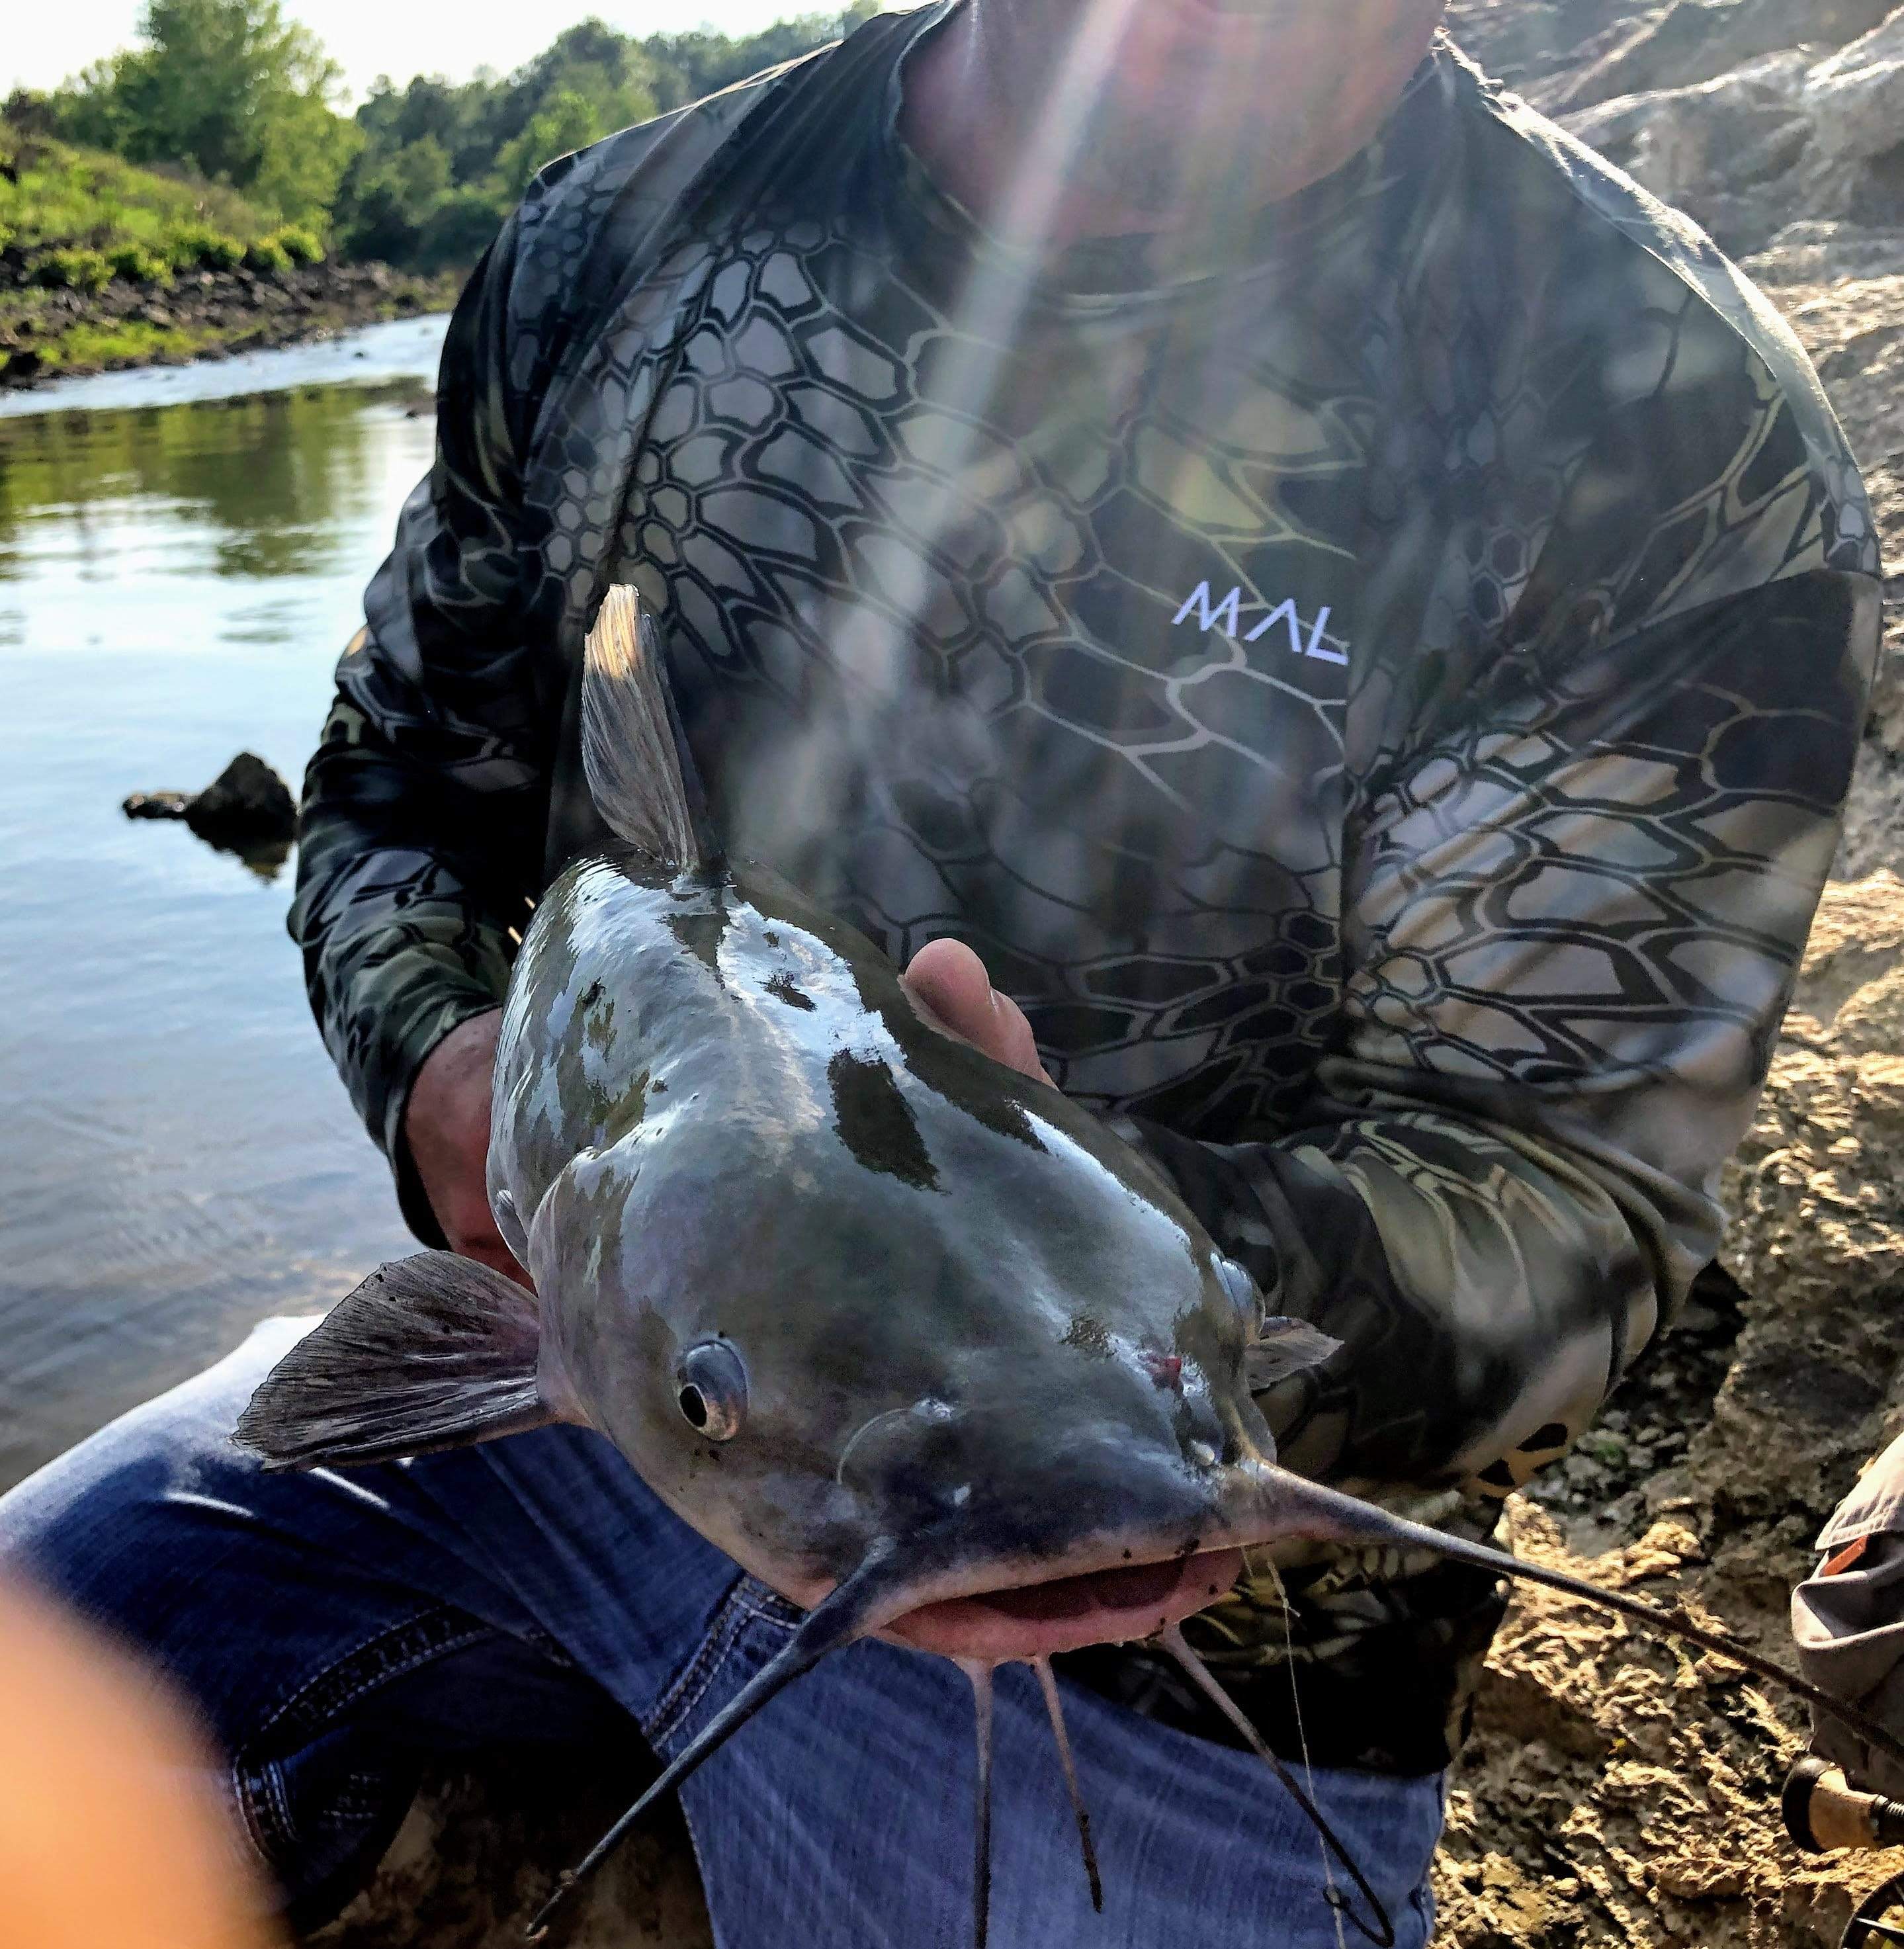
x: 855, y: 1606
x: 1383, y: 1933
x: 1053, y: 1706
x: 1277, y: 1505
x: 980, y: 1673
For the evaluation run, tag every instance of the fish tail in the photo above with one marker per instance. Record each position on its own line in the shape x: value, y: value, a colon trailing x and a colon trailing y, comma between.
x: 640, y: 774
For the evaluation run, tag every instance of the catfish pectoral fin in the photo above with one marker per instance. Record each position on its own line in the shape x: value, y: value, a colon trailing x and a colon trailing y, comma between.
x: 430, y: 1352
x: 1279, y: 1347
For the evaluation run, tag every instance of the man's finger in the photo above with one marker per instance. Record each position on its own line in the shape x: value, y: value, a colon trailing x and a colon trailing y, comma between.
x: 951, y: 981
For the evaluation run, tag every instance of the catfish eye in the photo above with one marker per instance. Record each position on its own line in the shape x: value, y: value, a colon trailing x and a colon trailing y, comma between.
x: 713, y: 1389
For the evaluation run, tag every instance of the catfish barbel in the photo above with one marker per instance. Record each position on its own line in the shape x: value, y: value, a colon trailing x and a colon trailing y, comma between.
x: 914, y: 1339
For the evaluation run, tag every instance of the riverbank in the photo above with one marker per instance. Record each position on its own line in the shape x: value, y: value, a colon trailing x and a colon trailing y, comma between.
x: 203, y: 314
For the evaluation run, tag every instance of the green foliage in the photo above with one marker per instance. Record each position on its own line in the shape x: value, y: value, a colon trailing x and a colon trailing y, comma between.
x: 267, y: 254
x: 87, y: 346
x: 138, y: 265
x: 301, y: 246
x: 193, y: 247
x: 54, y: 196
x: 229, y: 88
x: 73, y: 270
x: 442, y: 164
x: 232, y: 104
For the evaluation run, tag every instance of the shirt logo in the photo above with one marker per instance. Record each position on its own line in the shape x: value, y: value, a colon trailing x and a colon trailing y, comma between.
x: 1226, y: 617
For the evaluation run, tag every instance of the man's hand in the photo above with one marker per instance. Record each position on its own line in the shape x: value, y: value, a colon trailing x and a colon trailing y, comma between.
x: 446, y: 1127
x: 951, y: 981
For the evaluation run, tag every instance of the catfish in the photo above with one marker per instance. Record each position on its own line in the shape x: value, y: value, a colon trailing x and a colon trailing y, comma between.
x: 914, y: 1339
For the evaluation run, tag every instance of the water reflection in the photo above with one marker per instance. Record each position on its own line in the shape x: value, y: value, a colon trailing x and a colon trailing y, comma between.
x: 310, y: 461
x: 177, y: 1159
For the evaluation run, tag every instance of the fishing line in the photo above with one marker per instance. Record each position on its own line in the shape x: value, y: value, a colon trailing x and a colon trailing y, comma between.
x: 1333, y: 1895
x: 1383, y: 1933
x: 1047, y: 1684
x: 1294, y: 1506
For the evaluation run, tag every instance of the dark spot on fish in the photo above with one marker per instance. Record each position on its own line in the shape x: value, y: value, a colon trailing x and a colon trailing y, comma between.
x: 591, y: 994
x: 782, y: 989
x: 1087, y: 1334
x: 1550, y: 1434
x: 876, y: 1123
x: 701, y: 934
x: 1127, y: 1556
x: 1214, y: 1592
x: 970, y: 1082
x: 1497, y: 1475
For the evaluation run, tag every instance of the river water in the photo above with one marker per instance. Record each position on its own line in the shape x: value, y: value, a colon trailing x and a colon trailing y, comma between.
x: 181, y: 558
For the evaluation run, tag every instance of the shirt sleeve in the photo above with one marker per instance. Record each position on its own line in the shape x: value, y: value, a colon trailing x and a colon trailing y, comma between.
x: 424, y: 807
x: 1572, y: 921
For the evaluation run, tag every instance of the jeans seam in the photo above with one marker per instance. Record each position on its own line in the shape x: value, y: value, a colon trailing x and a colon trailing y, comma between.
x: 687, y: 1691
x: 389, y: 1654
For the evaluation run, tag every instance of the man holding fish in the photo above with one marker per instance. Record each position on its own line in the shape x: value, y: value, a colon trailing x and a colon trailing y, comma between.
x: 1201, y: 513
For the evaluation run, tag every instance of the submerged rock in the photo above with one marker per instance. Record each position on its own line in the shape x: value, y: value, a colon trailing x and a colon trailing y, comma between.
x: 247, y: 809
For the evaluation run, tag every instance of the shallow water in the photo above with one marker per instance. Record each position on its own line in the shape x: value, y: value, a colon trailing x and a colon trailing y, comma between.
x: 177, y: 1158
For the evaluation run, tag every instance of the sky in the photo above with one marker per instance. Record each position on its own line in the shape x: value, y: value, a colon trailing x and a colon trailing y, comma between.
x: 43, y: 44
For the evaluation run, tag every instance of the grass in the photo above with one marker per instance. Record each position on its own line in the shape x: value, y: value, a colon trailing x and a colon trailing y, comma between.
x: 121, y: 341
x: 56, y: 198
x: 74, y: 219
x: 76, y: 223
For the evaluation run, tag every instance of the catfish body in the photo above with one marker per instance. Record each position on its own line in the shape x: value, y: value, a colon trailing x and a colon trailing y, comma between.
x: 960, y: 1310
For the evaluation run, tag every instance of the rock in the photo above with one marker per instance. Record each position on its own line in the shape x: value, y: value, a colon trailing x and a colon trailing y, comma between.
x: 1712, y: 149
x: 1856, y: 98
x: 156, y: 805
x: 1600, y: 1757
x: 1695, y: 41
x: 247, y: 809
x: 246, y: 804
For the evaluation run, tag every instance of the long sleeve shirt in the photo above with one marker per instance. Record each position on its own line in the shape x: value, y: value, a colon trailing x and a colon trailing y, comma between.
x: 1376, y: 681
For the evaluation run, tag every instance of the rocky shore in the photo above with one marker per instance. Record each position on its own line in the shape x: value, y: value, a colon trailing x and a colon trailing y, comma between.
x: 199, y: 314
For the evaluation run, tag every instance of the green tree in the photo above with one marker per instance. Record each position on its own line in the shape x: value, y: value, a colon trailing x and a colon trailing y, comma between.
x: 230, y: 88
x: 567, y: 120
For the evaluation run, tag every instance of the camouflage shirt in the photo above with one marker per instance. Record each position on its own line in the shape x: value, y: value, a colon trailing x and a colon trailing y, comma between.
x: 1376, y: 683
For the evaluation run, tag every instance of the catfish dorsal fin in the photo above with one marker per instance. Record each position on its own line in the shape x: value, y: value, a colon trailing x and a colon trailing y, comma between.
x: 429, y: 1352
x: 640, y: 774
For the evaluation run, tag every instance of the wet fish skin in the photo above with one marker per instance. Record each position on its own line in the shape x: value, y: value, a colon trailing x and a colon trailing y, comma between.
x: 970, y: 1317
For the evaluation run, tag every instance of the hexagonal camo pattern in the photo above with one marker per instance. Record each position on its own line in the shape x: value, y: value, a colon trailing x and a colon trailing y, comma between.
x: 1378, y: 691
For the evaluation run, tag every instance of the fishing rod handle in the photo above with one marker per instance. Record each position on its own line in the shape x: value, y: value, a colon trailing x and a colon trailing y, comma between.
x: 1823, y: 1810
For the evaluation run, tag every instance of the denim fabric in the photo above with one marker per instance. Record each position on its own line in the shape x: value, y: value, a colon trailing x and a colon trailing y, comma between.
x: 339, y: 1630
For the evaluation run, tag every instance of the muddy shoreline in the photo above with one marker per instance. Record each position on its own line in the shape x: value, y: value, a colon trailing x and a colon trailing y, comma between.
x: 201, y: 314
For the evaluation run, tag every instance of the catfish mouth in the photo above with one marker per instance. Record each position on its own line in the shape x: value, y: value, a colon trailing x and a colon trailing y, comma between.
x: 1033, y: 1621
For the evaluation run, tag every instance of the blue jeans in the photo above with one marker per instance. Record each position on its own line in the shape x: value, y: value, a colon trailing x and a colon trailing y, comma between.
x: 340, y: 1630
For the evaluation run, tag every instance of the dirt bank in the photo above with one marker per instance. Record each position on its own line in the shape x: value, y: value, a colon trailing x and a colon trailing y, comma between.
x: 200, y: 314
